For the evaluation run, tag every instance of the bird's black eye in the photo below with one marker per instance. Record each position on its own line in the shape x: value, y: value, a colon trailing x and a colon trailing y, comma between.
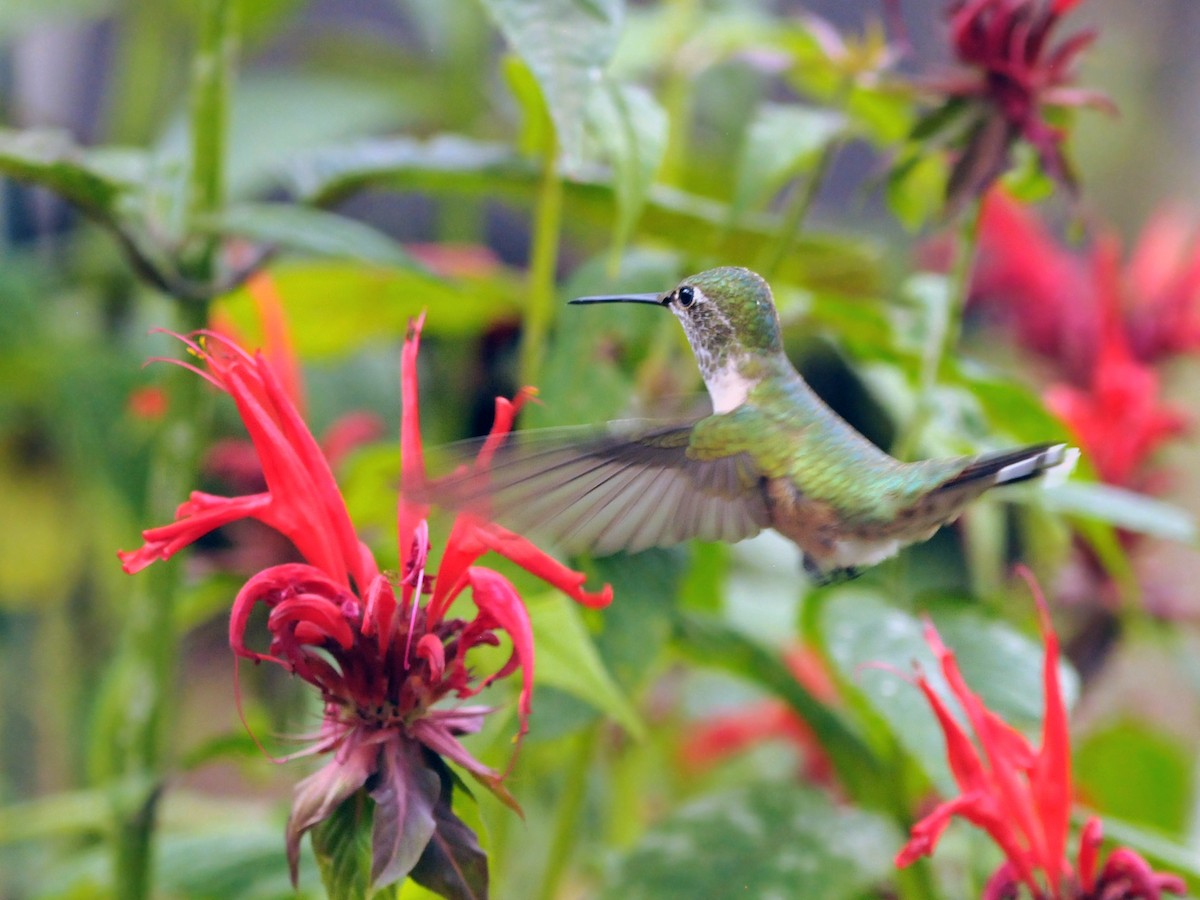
x: 687, y: 296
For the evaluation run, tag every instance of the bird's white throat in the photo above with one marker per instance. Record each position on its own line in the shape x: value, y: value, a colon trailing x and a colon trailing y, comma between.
x: 727, y: 387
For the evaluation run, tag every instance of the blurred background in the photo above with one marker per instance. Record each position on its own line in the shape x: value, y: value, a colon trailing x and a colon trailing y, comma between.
x: 80, y: 413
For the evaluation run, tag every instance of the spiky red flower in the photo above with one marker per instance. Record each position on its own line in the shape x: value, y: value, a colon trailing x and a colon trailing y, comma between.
x: 1021, y: 796
x: 379, y: 647
x: 1010, y: 73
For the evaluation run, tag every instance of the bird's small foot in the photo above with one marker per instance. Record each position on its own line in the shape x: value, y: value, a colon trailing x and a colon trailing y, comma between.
x: 822, y: 577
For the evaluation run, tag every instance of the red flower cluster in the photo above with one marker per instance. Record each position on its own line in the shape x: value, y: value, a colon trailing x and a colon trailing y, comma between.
x: 1021, y: 796
x: 1102, y: 325
x: 381, y: 649
x: 1011, y: 71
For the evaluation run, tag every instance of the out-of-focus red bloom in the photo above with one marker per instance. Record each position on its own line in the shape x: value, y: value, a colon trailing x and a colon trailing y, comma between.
x: 1057, y: 302
x: 1021, y: 795
x: 1161, y: 306
x: 1117, y: 418
x: 380, y: 648
x: 726, y: 735
x: 1010, y: 72
x: 147, y: 403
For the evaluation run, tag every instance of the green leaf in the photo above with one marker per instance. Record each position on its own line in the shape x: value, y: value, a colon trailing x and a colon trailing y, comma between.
x: 632, y: 128
x: 708, y: 642
x: 636, y: 627
x: 373, y: 303
x: 449, y: 163
x: 50, y: 159
x: 566, y: 44
x: 311, y: 231
x: 1138, y: 774
x: 567, y: 659
x: 766, y: 840
x: 782, y: 141
x: 1124, y: 509
x: 873, y: 645
x: 342, y: 846
x: 916, y: 188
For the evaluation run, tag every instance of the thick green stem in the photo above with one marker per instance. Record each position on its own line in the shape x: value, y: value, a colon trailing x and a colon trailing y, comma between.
x: 945, y: 329
x: 798, y: 211
x: 212, y: 79
x: 570, y: 807
x: 543, y: 267
x: 145, y: 668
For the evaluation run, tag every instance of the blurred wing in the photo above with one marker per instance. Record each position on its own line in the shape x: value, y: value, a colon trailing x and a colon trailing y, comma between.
x: 619, y: 490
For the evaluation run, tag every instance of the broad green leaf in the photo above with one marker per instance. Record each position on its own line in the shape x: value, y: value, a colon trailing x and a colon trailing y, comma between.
x: 708, y: 642
x: 51, y: 159
x: 632, y: 128
x: 1140, y: 775
x: 645, y: 592
x: 311, y: 231
x: 1124, y: 509
x: 567, y: 659
x: 454, y: 164
x: 342, y: 846
x: 374, y: 303
x: 445, y: 161
x: 242, y: 860
x: 782, y: 141
x: 874, y: 645
x: 766, y: 840
x: 566, y: 44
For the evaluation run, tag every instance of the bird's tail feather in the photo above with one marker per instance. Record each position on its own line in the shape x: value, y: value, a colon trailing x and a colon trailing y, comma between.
x: 1015, y: 466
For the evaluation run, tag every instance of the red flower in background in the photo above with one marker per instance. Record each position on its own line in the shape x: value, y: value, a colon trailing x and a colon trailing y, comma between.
x: 1117, y: 418
x: 1101, y: 323
x: 380, y: 648
x: 1057, y: 300
x: 1011, y: 72
x: 1021, y: 796
x: 722, y: 736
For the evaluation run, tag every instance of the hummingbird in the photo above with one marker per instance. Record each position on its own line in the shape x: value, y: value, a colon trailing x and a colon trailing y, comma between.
x: 771, y: 455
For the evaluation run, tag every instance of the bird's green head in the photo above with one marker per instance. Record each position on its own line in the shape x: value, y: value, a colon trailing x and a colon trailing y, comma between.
x: 726, y: 311
x: 728, y: 315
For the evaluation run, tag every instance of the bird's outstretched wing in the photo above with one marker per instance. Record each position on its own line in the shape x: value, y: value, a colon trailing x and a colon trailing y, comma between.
x: 630, y: 487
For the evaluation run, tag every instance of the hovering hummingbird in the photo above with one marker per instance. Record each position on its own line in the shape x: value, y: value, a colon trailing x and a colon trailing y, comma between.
x: 772, y: 454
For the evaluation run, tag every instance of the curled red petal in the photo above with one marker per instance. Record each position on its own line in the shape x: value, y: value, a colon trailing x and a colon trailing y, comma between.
x: 194, y: 519
x: 498, y: 599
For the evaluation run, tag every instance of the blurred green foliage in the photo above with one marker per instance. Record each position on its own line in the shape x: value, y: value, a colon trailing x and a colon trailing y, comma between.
x: 482, y: 163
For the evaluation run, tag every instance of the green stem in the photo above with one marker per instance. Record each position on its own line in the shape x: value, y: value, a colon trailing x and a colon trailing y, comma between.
x: 212, y: 79
x: 145, y: 665
x: 566, y: 825
x: 945, y: 329
x: 543, y: 266
x: 798, y: 211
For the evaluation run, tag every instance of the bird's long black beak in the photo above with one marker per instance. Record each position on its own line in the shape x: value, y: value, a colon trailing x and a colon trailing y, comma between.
x: 621, y: 298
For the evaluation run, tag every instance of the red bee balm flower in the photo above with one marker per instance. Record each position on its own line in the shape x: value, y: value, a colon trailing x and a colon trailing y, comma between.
x: 1012, y: 71
x: 380, y: 648
x: 1021, y: 796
